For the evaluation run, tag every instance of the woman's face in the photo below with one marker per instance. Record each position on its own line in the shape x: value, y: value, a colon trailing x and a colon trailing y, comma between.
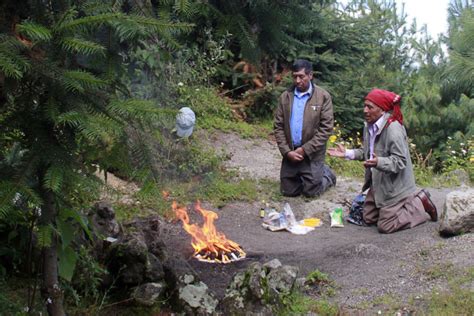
x: 372, y: 112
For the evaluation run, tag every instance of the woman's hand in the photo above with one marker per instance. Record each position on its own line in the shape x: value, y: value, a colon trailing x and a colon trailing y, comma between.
x: 339, y: 151
x: 369, y: 163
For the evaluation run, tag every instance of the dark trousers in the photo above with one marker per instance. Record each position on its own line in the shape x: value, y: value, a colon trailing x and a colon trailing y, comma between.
x: 310, y: 178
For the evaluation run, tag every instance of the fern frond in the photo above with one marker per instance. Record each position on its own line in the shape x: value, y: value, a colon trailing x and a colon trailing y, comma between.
x: 8, y: 191
x: 160, y: 26
x: 34, y: 32
x: 184, y: 7
x: 132, y: 26
x: 81, y: 46
x: 45, y: 235
x: 72, y: 25
x: 72, y: 118
x: 80, y: 81
x: 100, y: 128
x: 54, y: 178
x: 29, y: 194
x: 5, y: 210
x: 12, y: 63
x: 10, y: 43
x: 9, y: 68
x: 140, y: 109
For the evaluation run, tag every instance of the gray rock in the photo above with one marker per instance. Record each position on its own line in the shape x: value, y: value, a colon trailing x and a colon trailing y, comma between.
x: 259, y: 289
x: 256, y: 276
x: 280, y: 281
x: 147, y: 294
x: 102, y: 220
x: 104, y: 210
x: 458, y: 213
x: 188, y: 278
x: 273, y: 264
x: 197, y: 300
x: 128, y: 259
x: 154, y: 268
x: 300, y: 284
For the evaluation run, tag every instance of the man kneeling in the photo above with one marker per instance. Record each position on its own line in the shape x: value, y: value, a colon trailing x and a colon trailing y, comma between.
x: 392, y: 201
x: 303, y: 123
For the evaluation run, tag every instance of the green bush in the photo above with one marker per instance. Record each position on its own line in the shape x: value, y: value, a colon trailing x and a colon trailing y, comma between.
x: 261, y: 103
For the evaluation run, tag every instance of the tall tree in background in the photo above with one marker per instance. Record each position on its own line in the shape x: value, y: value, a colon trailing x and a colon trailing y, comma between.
x: 62, y: 114
x: 459, y: 75
x: 440, y: 104
x: 356, y: 47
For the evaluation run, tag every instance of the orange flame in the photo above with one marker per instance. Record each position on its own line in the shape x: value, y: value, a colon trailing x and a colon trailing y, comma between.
x: 207, y: 238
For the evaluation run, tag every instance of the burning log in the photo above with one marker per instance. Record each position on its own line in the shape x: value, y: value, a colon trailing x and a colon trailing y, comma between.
x: 209, y: 244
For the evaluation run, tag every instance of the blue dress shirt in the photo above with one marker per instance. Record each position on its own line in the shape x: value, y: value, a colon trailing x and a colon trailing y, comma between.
x: 297, y: 113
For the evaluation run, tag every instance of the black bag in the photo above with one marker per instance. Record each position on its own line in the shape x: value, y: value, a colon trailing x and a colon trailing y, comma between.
x: 356, y: 210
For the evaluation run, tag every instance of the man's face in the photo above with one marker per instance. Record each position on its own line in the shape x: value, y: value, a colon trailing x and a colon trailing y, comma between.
x: 302, y: 80
x: 371, y: 112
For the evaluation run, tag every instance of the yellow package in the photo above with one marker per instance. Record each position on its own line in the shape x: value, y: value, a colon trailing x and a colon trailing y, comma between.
x: 312, y: 222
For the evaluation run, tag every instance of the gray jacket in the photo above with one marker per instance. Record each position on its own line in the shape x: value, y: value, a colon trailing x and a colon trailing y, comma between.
x: 392, y: 179
x: 318, y: 123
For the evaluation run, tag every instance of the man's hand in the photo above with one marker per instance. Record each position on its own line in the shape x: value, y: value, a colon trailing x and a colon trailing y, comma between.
x: 371, y: 162
x: 339, y: 151
x: 296, y: 155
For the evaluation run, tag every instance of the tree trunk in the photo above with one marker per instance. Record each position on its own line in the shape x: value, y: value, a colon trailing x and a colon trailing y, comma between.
x: 51, y: 292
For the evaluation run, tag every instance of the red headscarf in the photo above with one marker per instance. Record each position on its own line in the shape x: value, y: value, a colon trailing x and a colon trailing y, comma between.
x: 387, y: 101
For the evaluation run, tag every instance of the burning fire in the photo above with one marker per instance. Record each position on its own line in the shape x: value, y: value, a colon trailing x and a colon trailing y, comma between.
x: 209, y: 244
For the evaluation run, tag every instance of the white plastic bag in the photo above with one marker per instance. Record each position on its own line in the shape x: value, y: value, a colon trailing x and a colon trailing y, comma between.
x: 285, y: 220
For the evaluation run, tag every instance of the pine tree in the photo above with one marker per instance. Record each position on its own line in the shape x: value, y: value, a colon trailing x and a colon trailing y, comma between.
x: 459, y: 75
x: 63, y: 111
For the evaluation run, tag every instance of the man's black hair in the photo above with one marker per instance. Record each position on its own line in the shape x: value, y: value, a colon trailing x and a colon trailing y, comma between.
x: 302, y: 64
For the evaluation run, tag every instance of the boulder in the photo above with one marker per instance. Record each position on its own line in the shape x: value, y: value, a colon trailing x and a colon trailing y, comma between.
x: 147, y: 294
x: 154, y: 268
x: 195, y: 298
x: 280, y: 282
x: 458, y: 213
x: 260, y: 289
x: 131, y: 262
x: 102, y: 220
x: 186, y: 293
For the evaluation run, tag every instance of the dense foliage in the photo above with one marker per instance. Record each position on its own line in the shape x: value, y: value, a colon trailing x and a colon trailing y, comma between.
x: 94, y: 85
x: 63, y: 113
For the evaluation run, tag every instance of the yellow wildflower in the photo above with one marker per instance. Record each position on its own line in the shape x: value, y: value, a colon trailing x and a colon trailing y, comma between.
x: 332, y: 138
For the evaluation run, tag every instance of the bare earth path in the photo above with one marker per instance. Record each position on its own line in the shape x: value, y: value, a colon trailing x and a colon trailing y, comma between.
x: 369, y: 268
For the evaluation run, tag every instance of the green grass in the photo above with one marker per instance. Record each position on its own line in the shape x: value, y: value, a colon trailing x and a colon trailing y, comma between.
x: 444, y: 270
x: 317, y: 277
x: 245, y: 130
x: 220, y: 190
x: 457, y: 300
x: 388, y: 302
x: 299, y: 304
x: 425, y: 177
x: 346, y: 168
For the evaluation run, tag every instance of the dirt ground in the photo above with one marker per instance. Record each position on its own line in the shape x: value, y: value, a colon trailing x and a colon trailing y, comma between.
x: 368, y: 268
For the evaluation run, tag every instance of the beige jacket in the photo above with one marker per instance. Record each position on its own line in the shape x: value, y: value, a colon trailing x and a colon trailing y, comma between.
x: 318, y: 123
x: 392, y: 179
